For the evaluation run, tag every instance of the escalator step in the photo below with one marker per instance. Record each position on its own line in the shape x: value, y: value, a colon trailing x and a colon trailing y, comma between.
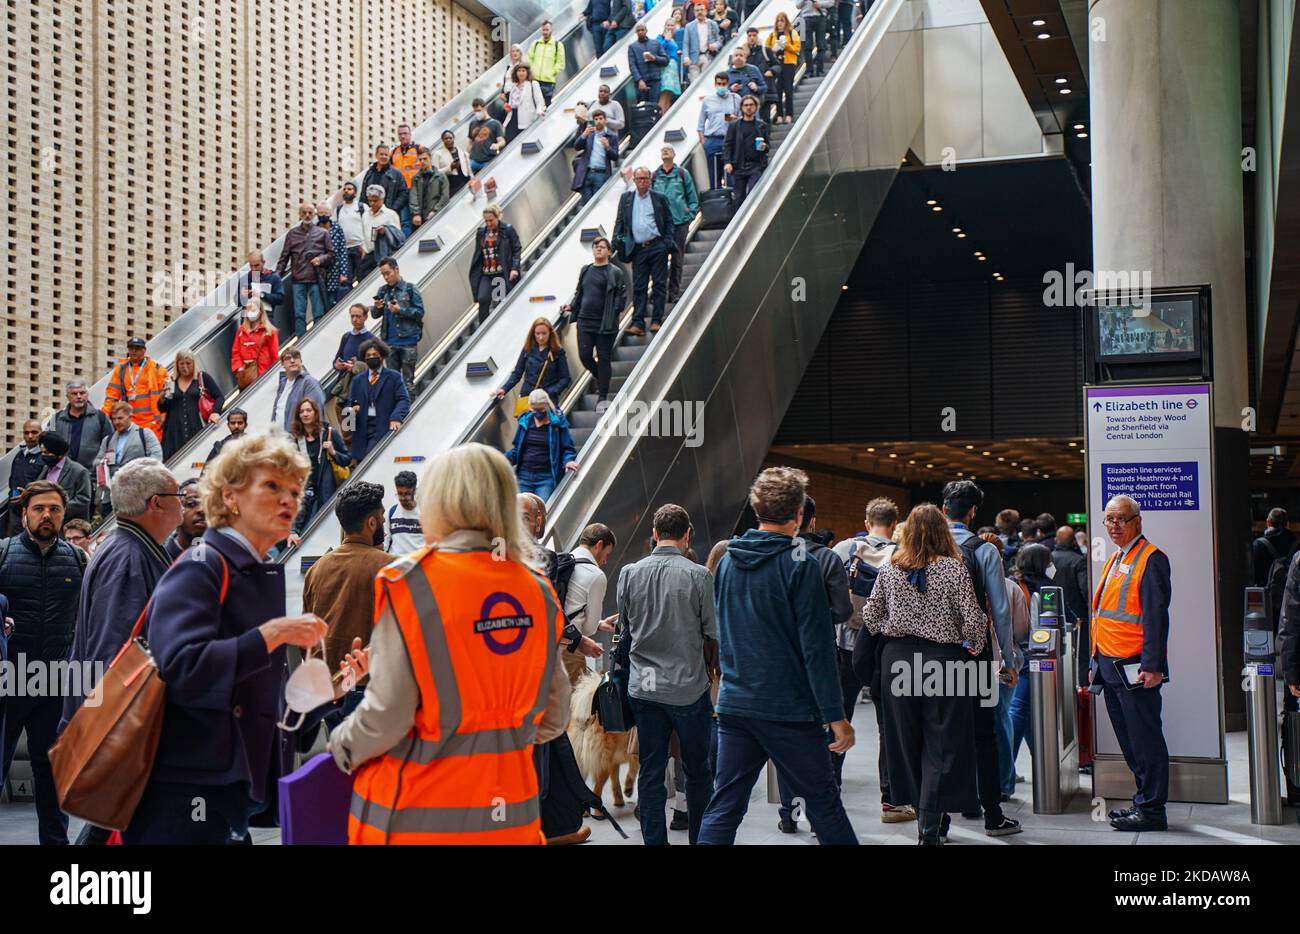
x: 621, y: 367
x: 583, y: 418
x: 580, y: 436
x: 628, y: 351
x: 707, y: 236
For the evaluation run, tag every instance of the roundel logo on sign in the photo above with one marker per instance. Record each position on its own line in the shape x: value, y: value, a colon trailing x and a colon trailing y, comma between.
x: 505, y: 633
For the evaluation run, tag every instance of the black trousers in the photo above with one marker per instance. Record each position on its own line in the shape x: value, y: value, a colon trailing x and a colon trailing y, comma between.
x: 785, y: 91
x: 1135, y: 715
x: 486, y: 286
x: 649, y: 262
x: 677, y: 256
x: 988, y: 771
x: 930, y: 748
x: 39, y: 716
x: 850, y: 690
x: 175, y: 813
x: 598, y: 365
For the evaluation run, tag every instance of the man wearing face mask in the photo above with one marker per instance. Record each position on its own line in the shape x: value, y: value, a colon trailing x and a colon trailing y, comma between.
x: 72, y: 477
x: 718, y: 110
x: 339, y: 276
x: 379, y: 400
x: 340, y: 586
x: 306, y: 256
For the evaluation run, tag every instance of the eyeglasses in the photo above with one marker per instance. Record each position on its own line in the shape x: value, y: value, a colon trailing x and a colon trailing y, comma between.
x: 177, y: 495
x: 1118, y: 520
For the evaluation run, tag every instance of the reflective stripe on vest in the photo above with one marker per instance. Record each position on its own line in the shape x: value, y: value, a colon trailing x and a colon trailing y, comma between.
x: 1116, y: 605
x: 447, y: 782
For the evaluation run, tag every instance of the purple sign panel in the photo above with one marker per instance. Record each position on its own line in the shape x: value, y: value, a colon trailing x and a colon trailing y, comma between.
x: 1170, y: 485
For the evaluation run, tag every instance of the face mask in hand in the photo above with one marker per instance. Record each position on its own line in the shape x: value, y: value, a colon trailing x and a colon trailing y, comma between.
x: 309, y: 687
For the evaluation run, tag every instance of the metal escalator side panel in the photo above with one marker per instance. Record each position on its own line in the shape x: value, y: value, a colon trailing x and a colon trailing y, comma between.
x: 737, y: 343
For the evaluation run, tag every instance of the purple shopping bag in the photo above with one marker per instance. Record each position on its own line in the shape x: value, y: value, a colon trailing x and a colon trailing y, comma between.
x: 314, y: 804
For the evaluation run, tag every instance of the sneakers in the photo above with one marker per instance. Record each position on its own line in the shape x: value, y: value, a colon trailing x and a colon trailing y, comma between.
x: 654, y: 327
x: 785, y: 825
x: 636, y: 331
x: 1004, y: 829
x: 944, y: 823
x: 680, y: 821
x: 889, y: 814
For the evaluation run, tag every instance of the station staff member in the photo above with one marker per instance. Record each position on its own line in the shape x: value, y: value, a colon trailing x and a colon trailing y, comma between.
x: 1130, y: 623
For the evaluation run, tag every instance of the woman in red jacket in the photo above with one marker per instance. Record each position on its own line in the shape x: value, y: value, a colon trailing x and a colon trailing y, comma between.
x: 256, y: 346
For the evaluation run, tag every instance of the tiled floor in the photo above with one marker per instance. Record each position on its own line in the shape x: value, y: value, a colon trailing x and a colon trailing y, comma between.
x: 1188, y: 823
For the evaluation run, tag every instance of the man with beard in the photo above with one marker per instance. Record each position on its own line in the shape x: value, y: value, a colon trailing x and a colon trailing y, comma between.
x: 340, y: 585
x: 122, y: 576
x: 41, y: 576
x: 193, y: 521
x: 60, y: 468
x: 347, y: 217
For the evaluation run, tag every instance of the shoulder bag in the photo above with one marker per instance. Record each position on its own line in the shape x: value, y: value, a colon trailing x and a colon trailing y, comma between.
x: 521, y: 404
x: 207, y: 404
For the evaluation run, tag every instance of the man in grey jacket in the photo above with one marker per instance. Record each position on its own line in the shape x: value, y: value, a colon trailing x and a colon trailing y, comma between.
x: 295, y: 385
x: 82, y: 425
x: 128, y: 442
x: 665, y: 604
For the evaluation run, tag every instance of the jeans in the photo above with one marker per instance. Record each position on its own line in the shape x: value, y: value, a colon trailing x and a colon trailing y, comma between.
x: 548, y: 90
x: 712, y: 149
x: 598, y: 365
x: 1005, y: 734
x: 542, y: 483
x: 591, y: 184
x: 743, y: 182
x: 845, y: 24
x: 799, y: 751
x: 403, y: 359
x: 1019, y: 714
x: 599, y: 37
x: 814, y: 45
x: 302, y: 293
x: 476, y: 167
x: 649, y: 262
x: 404, y: 215
x: 651, y: 92
x: 40, y: 717
x: 655, y: 724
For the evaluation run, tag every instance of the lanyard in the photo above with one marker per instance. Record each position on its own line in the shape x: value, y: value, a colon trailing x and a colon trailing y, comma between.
x: 130, y: 390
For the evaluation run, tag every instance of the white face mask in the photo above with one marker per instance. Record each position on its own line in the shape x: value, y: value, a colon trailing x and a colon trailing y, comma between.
x: 309, y: 687
x: 252, y: 314
x: 1051, y: 572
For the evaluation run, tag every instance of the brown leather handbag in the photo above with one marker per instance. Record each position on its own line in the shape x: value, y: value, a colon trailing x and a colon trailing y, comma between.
x: 103, y: 758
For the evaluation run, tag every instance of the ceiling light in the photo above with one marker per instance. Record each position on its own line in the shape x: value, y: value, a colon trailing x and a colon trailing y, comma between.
x: 1047, y: 476
x: 1081, y: 135
x: 893, y: 455
x: 911, y: 462
x: 1083, y: 450
x: 1044, y: 35
x: 961, y: 236
x: 931, y: 202
x: 1078, y: 126
x: 1024, y: 468
x: 1062, y: 80
x: 959, y: 473
x: 1074, y: 444
x: 986, y: 453
x: 1001, y: 458
x: 937, y: 208
x: 844, y: 288
x: 1066, y: 91
x: 1014, y: 464
x: 871, y: 450
x: 979, y: 252
x: 970, y: 447
x: 956, y: 230
x: 1040, y: 22
x: 931, y: 466
x: 983, y: 259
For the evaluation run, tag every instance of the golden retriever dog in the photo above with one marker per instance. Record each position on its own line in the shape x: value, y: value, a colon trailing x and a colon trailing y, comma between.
x: 599, y: 754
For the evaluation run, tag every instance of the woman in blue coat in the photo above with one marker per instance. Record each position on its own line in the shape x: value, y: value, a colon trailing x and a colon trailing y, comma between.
x: 323, y: 446
x: 217, y: 630
x: 543, y: 449
x: 542, y: 364
x: 379, y: 400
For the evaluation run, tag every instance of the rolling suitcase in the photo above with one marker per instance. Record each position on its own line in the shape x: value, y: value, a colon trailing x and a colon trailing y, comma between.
x: 641, y: 120
x: 1083, y: 704
x: 717, y: 205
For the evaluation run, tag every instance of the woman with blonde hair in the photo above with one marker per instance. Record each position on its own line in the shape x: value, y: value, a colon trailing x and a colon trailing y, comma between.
x: 192, y: 401
x: 256, y: 346
x: 924, y: 606
x: 217, y: 630
x: 542, y: 364
x: 462, y: 661
x: 783, y: 43
x: 524, y: 102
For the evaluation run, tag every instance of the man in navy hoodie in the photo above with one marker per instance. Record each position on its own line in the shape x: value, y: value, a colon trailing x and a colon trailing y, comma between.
x: 780, y: 687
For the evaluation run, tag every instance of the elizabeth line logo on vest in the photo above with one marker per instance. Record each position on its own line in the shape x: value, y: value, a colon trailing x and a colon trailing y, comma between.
x: 947, y: 678
x: 34, y: 677
x: 658, y: 418
x: 103, y: 887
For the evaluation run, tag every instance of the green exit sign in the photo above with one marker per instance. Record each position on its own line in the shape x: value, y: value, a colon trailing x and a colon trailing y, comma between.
x: 1076, y: 518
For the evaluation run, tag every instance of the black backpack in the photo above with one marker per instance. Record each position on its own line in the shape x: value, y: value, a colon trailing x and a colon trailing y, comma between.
x: 561, y: 572
x: 1275, y: 581
x: 968, y: 549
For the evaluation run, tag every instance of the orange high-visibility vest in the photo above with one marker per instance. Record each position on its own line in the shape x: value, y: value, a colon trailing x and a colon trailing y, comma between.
x: 143, y: 387
x: 482, y: 644
x: 408, y: 162
x: 1117, y: 604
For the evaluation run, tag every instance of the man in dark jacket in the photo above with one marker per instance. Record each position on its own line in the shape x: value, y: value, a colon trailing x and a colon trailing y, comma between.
x: 837, y: 593
x: 429, y: 190
x: 646, y: 60
x: 1278, y: 541
x: 61, y: 469
x: 494, y: 268
x: 121, y: 578
x: 598, y: 148
x: 596, y: 306
x: 382, y: 173
x: 41, y: 575
x: 194, y: 522
x: 780, y: 688
x: 400, y: 306
x: 642, y: 231
x: 25, y: 467
x: 1072, y: 577
x: 237, y: 422
x: 744, y: 151
x: 745, y: 78
x: 307, y: 255
x: 261, y: 280
x: 379, y: 400
x: 82, y: 425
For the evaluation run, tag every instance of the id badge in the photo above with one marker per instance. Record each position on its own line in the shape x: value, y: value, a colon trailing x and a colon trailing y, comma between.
x: 1124, y: 568
x: 371, y: 412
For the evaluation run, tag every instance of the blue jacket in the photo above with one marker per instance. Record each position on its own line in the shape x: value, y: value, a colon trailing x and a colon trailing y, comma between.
x: 774, y: 624
x: 275, y: 289
x: 640, y: 68
x: 561, y: 442
x: 989, y: 558
x: 305, y: 386
x: 743, y: 76
x: 529, y: 368
x: 321, y: 485
x: 225, y: 692
x: 691, y: 43
x: 391, y: 401
x: 405, y: 327
x: 584, y: 145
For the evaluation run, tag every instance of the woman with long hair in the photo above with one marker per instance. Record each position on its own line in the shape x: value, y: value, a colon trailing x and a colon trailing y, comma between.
x: 1031, y: 572
x: 256, y: 346
x: 525, y: 104
x: 671, y: 78
x: 542, y: 364
x: 325, y: 449
x: 188, y: 395
x: 924, y: 606
x: 462, y: 655
x: 783, y: 42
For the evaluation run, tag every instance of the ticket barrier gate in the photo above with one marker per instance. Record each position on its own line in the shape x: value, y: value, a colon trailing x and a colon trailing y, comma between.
x: 1260, y: 682
x: 1053, y: 724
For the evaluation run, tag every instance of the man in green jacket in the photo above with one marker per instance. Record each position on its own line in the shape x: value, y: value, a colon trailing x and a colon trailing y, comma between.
x: 429, y: 190
x: 675, y: 184
x: 546, y: 59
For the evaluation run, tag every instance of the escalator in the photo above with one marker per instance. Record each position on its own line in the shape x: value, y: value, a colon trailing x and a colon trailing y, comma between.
x: 532, y: 178
x: 811, y: 212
